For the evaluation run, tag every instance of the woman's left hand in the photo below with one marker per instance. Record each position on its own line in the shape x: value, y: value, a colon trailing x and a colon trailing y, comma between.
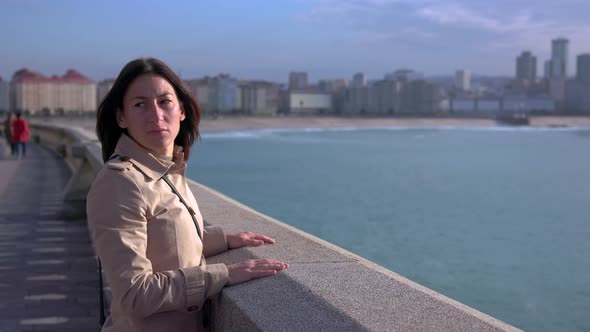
x: 247, y: 239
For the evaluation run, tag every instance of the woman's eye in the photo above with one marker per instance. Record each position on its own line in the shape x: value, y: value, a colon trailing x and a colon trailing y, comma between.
x: 140, y: 104
x: 166, y: 101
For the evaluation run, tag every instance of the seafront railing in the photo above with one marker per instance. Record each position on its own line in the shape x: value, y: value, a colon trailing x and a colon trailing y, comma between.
x: 325, y: 287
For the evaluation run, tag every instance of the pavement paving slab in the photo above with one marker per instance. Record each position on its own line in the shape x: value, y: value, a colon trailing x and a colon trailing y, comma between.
x: 48, y: 279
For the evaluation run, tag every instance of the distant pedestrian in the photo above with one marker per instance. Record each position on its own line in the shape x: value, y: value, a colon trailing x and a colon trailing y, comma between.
x: 20, y: 135
x: 8, y: 130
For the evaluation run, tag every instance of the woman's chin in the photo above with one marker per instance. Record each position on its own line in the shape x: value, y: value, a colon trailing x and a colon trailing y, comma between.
x: 159, y: 147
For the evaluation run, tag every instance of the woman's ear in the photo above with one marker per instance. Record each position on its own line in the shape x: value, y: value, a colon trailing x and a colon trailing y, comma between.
x: 121, y: 118
x: 182, y: 112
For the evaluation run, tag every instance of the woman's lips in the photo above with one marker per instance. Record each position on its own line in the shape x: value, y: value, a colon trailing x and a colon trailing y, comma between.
x: 157, y: 131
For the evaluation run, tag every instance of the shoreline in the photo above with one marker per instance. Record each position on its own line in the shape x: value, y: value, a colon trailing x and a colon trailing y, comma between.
x: 249, y: 123
x: 224, y: 124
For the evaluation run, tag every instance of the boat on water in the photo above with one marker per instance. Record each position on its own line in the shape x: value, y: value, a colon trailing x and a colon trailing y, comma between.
x: 513, y: 118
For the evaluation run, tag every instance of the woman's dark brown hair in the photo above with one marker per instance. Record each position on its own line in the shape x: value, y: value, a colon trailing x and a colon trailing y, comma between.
x: 107, y: 128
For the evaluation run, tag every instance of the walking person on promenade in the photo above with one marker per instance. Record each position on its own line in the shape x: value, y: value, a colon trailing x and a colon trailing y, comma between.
x: 144, y: 221
x: 20, y: 136
x: 8, y: 130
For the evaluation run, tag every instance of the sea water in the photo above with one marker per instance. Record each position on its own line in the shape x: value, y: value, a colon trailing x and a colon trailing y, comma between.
x: 496, y: 218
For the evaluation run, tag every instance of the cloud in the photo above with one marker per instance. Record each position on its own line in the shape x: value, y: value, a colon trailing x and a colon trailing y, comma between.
x: 415, y: 32
x: 454, y: 14
x: 351, y: 9
x: 388, y: 40
x: 334, y: 9
x: 503, y: 28
x: 368, y: 21
x: 521, y: 31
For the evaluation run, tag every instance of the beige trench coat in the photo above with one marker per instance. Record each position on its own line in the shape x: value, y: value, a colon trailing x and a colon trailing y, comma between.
x: 151, y: 253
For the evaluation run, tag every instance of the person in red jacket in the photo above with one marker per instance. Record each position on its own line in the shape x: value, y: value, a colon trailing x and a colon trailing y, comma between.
x: 20, y: 135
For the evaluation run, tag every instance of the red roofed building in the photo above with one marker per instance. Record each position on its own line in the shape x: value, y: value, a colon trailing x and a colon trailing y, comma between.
x: 33, y: 92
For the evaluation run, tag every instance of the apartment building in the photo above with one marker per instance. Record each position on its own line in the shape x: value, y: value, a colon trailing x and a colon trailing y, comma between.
x: 199, y: 89
x: 224, y: 95
x: 259, y: 97
x: 31, y: 92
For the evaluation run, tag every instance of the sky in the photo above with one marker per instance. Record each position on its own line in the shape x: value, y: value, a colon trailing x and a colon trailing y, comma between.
x: 266, y: 39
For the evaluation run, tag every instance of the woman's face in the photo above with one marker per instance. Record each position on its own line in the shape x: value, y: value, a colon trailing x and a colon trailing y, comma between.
x: 152, y: 114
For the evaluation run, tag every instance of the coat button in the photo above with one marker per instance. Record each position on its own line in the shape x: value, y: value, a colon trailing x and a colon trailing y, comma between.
x: 193, y: 308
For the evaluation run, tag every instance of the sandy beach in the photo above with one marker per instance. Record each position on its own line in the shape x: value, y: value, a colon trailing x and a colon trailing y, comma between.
x: 253, y: 123
x: 241, y: 123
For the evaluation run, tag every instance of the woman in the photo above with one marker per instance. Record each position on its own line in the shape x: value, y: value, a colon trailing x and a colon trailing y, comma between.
x: 152, y: 245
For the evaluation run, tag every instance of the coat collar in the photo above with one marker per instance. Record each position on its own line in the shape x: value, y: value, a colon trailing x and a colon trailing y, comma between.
x: 147, y: 162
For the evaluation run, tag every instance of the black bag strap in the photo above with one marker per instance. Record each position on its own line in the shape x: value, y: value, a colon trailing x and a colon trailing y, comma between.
x: 190, y: 210
x: 102, y: 317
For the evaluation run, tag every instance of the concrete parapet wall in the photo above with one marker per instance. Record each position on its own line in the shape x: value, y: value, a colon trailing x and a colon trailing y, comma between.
x: 81, y: 152
x: 325, y: 286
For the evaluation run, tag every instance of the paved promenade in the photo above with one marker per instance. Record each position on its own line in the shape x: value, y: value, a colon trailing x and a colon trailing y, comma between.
x: 47, y: 268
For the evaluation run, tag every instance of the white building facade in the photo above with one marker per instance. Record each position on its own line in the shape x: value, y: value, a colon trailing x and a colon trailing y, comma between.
x: 224, y: 95
x: 199, y: 89
x: 33, y: 93
x: 260, y: 98
x: 463, y: 80
x: 309, y: 102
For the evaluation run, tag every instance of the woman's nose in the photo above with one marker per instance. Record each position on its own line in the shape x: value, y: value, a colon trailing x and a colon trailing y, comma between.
x: 155, y: 113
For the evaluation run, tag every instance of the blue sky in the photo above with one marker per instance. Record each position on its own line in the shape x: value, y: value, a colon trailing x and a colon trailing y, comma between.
x: 257, y: 39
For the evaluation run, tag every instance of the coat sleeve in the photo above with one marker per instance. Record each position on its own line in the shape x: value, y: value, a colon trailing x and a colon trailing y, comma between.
x: 214, y: 241
x: 116, y: 214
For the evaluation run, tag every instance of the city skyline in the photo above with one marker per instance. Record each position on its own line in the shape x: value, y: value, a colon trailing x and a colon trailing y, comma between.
x: 257, y: 40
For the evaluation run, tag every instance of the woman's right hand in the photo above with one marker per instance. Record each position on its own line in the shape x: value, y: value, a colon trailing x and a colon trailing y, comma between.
x: 253, y: 269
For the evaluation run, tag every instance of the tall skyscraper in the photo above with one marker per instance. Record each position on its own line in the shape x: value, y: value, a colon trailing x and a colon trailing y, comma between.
x: 547, y: 69
x: 583, y: 68
x: 559, y: 58
x: 297, y: 80
x: 526, y: 67
x: 359, y: 80
x: 462, y: 79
